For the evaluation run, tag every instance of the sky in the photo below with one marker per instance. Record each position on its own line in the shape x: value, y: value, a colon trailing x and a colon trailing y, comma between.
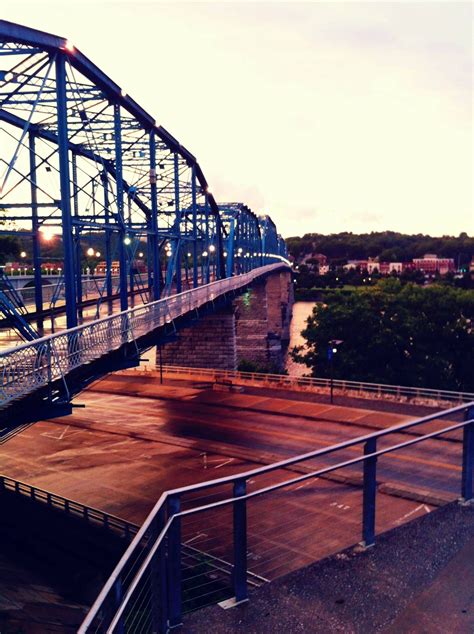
x: 329, y: 116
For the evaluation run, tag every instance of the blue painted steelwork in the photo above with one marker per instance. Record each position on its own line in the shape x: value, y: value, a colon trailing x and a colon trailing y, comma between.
x: 96, y: 166
x: 213, y: 495
x: 14, y: 310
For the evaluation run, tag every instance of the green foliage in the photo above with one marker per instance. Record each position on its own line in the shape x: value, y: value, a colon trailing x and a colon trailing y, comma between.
x: 397, y: 334
x: 390, y: 246
x: 245, y: 365
x: 9, y: 249
x: 9, y: 245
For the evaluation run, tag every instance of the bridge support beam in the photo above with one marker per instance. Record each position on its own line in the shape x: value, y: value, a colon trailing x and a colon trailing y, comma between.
x: 263, y: 316
x: 251, y: 332
x: 63, y: 149
x: 209, y: 343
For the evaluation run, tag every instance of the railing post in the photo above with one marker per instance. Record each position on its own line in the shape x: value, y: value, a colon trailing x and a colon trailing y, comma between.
x: 369, y: 494
x: 49, y: 369
x: 174, y: 563
x: 159, y: 607
x: 120, y: 629
x: 467, y: 456
x: 240, y: 542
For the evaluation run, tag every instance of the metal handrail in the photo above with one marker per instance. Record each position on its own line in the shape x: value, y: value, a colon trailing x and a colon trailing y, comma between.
x: 31, y: 365
x: 368, y: 440
x: 343, y: 384
x: 269, y: 489
x: 243, y: 280
x: 68, y: 505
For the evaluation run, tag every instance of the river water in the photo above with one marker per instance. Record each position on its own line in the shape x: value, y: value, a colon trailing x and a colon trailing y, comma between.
x: 301, y: 312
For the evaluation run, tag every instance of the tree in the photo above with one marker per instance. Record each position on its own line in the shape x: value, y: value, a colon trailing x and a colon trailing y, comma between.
x: 397, y: 334
x: 9, y: 245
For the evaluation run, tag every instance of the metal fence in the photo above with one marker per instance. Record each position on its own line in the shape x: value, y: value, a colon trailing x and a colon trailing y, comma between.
x: 69, y: 507
x: 156, y: 582
x: 306, y: 383
x: 35, y: 364
x: 91, y: 288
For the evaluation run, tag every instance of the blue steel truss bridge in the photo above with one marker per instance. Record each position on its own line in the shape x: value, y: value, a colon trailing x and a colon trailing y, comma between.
x: 81, y: 161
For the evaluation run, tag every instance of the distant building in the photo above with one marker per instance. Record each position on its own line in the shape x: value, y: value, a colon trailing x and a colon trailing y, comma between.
x: 373, y: 265
x: 139, y: 266
x: 354, y: 264
x: 384, y: 268
x: 430, y: 264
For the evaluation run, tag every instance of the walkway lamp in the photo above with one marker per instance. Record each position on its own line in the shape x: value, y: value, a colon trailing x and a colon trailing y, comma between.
x: 333, y: 346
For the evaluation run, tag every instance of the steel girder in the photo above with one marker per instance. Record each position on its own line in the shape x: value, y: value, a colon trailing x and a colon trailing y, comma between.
x: 80, y: 158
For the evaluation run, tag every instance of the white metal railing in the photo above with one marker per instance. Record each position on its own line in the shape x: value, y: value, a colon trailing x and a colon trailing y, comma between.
x: 92, y: 287
x: 377, y: 390
x: 36, y: 364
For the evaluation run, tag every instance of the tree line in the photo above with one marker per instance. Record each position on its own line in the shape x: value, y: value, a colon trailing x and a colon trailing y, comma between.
x: 388, y: 246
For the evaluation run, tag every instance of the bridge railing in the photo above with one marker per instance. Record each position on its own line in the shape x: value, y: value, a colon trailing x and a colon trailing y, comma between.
x: 152, y: 586
x: 309, y: 383
x: 92, y: 287
x: 36, y: 364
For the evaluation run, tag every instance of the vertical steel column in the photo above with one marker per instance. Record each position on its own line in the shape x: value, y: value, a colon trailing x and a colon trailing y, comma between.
x: 177, y: 224
x: 159, y: 608
x: 108, y: 246
x: 468, y: 456
x: 208, y: 261
x: 153, y: 238
x: 240, y: 542
x: 35, y: 233
x: 369, y: 494
x: 195, y: 251
x: 220, y: 266
x: 230, y: 263
x: 174, y: 563
x: 63, y: 150
x: 120, y: 208
x: 77, y: 233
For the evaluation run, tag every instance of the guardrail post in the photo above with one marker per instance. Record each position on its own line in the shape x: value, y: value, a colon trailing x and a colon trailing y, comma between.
x: 174, y: 563
x: 240, y: 542
x: 117, y: 598
x: 369, y: 494
x: 49, y: 368
x: 467, y: 456
x: 159, y: 608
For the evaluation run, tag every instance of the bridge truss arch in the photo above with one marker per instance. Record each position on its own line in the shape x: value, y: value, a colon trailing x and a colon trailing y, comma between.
x: 81, y: 159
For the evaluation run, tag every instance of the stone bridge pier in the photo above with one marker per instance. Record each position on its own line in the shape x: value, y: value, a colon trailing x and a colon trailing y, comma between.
x: 251, y: 332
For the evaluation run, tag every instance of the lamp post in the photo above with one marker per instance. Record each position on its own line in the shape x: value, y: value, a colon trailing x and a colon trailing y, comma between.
x: 332, y: 350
